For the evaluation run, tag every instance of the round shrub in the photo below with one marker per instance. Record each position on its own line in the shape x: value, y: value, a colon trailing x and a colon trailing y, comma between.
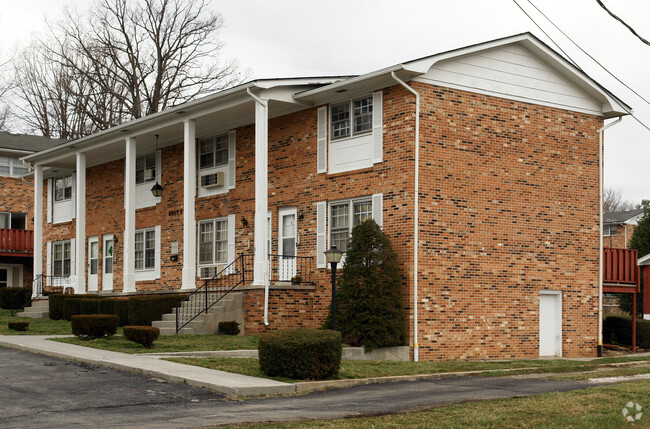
x: 144, y: 335
x: 94, y: 325
x: 304, y: 354
x: 18, y: 326
x: 228, y: 328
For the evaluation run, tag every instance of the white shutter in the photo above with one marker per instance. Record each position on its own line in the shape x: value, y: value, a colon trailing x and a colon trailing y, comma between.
x: 377, y: 208
x: 232, y: 166
x: 321, y: 213
x: 322, y: 140
x: 231, y: 238
x: 377, y: 127
x: 48, y: 261
x: 159, y: 166
x: 157, y: 263
x: 73, y: 200
x: 50, y: 184
x: 73, y: 254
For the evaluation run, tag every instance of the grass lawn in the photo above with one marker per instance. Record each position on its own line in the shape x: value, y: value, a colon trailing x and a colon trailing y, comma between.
x: 599, y: 407
x: 36, y: 326
x: 170, y: 343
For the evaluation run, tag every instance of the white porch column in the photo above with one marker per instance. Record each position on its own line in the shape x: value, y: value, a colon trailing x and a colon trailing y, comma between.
x: 261, y: 190
x: 79, y: 282
x: 189, y: 192
x: 129, y: 216
x: 38, y: 226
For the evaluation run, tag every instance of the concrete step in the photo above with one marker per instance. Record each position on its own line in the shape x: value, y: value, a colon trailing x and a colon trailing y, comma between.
x: 34, y: 314
x: 38, y: 309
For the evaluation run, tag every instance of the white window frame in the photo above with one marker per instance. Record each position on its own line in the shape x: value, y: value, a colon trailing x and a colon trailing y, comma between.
x: 351, y: 204
x: 148, y: 273
x: 353, y: 117
x: 144, y: 197
x: 221, y: 139
x: 64, y: 197
x: 63, y: 245
x: 146, y: 161
x: 208, y: 269
x: 608, y: 228
x: 225, y: 165
x: 13, y: 164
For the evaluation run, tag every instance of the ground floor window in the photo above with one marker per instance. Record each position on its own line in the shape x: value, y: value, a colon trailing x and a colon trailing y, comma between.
x: 216, y: 245
x: 345, y: 215
x: 145, y: 249
x: 61, y: 259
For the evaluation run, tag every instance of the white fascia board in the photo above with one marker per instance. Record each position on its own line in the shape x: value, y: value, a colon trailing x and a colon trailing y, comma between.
x: 634, y: 220
x: 644, y: 260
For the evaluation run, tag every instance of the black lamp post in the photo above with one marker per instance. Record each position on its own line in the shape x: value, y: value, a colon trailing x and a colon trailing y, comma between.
x: 333, y: 256
x: 156, y: 189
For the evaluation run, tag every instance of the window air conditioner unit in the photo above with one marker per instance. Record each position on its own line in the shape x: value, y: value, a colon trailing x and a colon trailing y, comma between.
x: 213, y: 180
x: 148, y: 174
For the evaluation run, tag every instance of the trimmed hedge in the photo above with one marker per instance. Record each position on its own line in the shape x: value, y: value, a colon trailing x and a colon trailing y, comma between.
x: 303, y: 354
x: 94, y: 325
x: 18, y: 326
x: 89, y: 306
x: 122, y: 310
x: 145, y: 309
x: 618, y: 330
x: 14, y: 298
x: 106, y: 306
x: 228, y: 328
x: 55, y: 301
x: 144, y: 335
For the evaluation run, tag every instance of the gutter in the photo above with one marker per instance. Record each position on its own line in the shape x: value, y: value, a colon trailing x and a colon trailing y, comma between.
x: 416, y: 217
x: 601, y: 150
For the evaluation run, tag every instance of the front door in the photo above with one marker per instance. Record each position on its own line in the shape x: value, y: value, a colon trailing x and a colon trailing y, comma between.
x: 93, y: 263
x: 107, y: 276
x: 550, y: 323
x: 287, y: 235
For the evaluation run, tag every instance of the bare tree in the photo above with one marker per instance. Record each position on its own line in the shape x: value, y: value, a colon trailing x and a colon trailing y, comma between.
x: 125, y: 60
x: 613, y: 201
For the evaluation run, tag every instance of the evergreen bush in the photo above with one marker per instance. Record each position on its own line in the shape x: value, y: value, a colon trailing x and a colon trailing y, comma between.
x: 93, y: 325
x: 106, y: 306
x: 618, y: 330
x: 145, y: 309
x: 121, y: 310
x: 89, y: 306
x: 369, y: 292
x: 71, y: 307
x: 55, y: 302
x: 18, y: 326
x: 228, y: 328
x: 14, y: 298
x: 144, y: 335
x: 303, y: 354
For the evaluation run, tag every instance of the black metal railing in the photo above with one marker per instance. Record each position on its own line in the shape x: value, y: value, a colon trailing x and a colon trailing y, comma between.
x: 42, y: 285
x: 239, y: 272
x: 294, y: 269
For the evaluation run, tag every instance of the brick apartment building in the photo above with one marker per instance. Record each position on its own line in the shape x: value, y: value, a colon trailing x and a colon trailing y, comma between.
x: 17, y: 208
x: 618, y: 227
x: 501, y: 143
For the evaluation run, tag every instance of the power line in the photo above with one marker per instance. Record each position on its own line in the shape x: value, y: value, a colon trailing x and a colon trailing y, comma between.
x: 586, y: 53
x: 622, y: 22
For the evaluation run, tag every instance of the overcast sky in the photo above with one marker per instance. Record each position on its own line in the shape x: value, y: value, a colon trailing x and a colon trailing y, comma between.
x: 284, y: 38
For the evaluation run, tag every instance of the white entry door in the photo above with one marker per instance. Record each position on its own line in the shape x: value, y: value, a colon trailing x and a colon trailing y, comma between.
x: 107, y: 276
x: 93, y: 263
x: 287, y: 235
x: 550, y: 323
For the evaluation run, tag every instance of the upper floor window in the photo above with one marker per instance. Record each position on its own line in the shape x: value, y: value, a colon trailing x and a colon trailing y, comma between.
x: 12, y: 167
x: 351, y: 117
x: 213, y: 151
x: 145, y: 168
x: 610, y: 229
x: 63, y: 188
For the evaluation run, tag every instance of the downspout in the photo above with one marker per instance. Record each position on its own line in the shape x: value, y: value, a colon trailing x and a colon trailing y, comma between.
x: 601, y: 153
x: 416, y: 217
x: 266, y: 281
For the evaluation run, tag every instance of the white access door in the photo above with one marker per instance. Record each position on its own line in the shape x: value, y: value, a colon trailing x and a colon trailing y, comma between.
x: 107, y: 272
x: 93, y: 263
x: 287, y: 244
x: 550, y: 323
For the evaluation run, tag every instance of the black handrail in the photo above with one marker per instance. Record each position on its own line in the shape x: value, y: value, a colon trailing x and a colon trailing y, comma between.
x: 39, y: 289
x: 294, y: 269
x: 213, y: 290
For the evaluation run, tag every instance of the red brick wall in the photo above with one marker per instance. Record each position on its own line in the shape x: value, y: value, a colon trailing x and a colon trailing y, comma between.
x: 622, y: 239
x: 509, y: 197
x: 17, y: 196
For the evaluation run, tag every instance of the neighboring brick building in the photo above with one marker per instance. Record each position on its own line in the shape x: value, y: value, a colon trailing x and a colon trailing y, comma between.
x: 618, y: 227
x: 17, y: 208
x: 507, y: 177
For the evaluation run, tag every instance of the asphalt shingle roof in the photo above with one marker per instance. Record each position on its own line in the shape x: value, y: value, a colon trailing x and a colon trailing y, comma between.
x: 621, y: 216
x: 25, y: 142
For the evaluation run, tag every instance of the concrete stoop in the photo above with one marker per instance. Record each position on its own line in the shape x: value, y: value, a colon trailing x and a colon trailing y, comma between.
x: 39, y: 309
x: 231, y: 307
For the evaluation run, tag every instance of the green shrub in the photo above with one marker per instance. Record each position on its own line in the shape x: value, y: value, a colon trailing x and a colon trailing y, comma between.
x: 94, y: 325
x: 303, y: 354
x: 369, y: 295
x: 618, y: 330
x: 14, y: 298
x: 89, y: 306
x: 121, y: 310
x: 18, y: 326
x: 144, y: 335
x: 71, y: 307
x: 228, y: 328
x: 145, y: 309
x: 106, y: 306
x: 56, y: 305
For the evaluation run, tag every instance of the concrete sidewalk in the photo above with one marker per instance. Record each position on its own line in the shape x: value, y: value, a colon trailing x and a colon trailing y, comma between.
x: 233, y: 385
